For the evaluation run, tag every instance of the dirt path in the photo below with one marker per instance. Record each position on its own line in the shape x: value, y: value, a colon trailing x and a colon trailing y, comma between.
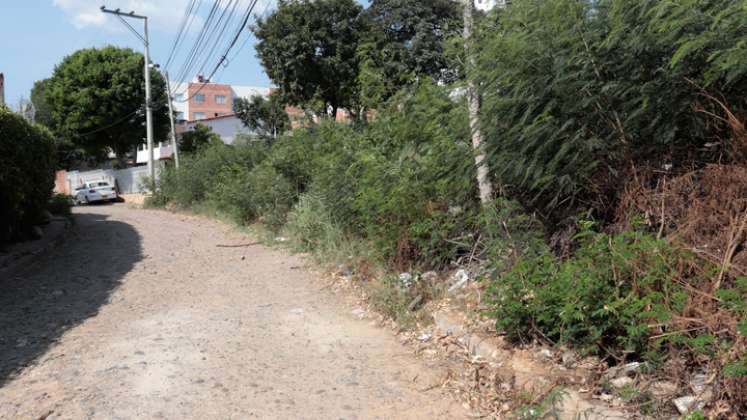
x: 141, y: 315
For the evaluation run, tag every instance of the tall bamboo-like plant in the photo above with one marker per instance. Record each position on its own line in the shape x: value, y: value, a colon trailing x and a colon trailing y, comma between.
x: 577, y: 92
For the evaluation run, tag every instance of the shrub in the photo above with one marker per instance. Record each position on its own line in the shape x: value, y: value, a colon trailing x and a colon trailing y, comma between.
x: 272, y: 195
x: 576, y: 91
x: 622, y: 295
x: 27, y: 163
x: 311, y: 226
x: 60, y: 204
x: 203, y: 175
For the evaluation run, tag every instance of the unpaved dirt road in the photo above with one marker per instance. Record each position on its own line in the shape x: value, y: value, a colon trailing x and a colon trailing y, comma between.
x: 141, y: 315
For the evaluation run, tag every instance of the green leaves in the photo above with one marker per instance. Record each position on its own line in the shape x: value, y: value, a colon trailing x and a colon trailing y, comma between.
x: 308, y: 49
x: 27, y: 163
x: 575, y: 91
x: 97, y: 96
x: 266, y: 117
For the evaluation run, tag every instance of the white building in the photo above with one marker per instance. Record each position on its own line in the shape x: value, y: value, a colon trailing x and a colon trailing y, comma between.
x: 226, y: 126
x: 486, y: 5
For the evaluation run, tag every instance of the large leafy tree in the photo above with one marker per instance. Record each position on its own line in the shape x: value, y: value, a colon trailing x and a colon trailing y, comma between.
x: 199, y: 138
x: 308, y: 48
x: 43, y: 113
x: 97, y: 96
x: 403, y: 41
x: 266, y: 117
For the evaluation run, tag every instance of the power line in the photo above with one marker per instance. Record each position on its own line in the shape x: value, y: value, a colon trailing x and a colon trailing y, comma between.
x: 188, y: 63
x: 219, y: 38
x: 183, y: 27
x: 112, y: 124
x: 244, y: 22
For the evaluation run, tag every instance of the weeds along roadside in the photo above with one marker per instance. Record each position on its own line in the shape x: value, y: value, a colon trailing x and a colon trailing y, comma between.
x: 397, y: 196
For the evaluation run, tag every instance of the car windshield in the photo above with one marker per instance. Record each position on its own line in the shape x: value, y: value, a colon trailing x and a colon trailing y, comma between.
x: 100, y: 184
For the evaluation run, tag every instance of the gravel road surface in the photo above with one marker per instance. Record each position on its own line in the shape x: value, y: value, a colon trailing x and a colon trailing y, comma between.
x: 145, y: 314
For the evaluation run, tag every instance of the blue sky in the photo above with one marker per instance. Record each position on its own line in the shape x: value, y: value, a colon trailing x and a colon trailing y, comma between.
x: 35, y: 35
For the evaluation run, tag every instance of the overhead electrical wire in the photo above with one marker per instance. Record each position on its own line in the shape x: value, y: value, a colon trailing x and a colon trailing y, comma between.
x: 187, y: 19
x: 119, y: 121
x: 244, y: 21
x: 189, y: 61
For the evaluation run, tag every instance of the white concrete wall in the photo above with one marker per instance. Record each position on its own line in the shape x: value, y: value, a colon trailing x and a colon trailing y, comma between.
x: 128, y: 181
x: 226, y: 127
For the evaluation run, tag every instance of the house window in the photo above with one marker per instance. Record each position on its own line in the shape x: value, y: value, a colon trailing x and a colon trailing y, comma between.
x: 180, y: 116
x: 200, y: 97
x: 220, y: 99
x: 199, y: 115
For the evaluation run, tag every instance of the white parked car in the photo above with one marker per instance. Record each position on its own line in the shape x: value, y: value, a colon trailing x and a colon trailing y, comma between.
x: 91, y: 192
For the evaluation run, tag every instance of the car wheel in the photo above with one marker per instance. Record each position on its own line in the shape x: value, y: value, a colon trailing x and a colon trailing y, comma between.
x: 85, y: 200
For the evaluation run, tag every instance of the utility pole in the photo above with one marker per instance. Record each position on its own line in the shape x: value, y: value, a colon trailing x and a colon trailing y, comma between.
x: 473, y: 104
x: 148, y: 111
x: 171, y: 118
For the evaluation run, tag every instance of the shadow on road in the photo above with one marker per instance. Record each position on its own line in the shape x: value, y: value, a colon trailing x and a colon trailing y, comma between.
x: 62, y: 289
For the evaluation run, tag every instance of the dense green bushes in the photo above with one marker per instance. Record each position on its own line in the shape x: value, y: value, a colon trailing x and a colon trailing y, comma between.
x: 403, y: 182
x: 27, y: 164
x: 576, y: 93
x: 579, y: 99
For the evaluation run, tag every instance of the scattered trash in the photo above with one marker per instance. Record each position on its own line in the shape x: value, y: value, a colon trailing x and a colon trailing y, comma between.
x: 685, y: 404
x: 621, y: 381
x: 429, y: 276
x: 297, y: 311
x: 546, y: 353
x: 415, y: 303
x: 22, y: 342
x: 359, y: 312
x: 461, y: 277
x: 425, y: 337
x: 346, y: 271
x: 280, y: 239
x: 405, y: 279
x: 57, y: 293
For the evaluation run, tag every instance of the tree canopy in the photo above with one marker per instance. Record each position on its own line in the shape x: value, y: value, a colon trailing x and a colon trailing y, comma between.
x: 96, y: 99
x: 198, y: 138
x: 403, y: 41
x: 308, y: 49
x: 266, y: 117
x: 42, y: 114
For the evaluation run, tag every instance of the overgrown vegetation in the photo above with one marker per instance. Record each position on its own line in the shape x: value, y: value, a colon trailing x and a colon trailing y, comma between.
x: 615, y: 131
x: 27, y: 163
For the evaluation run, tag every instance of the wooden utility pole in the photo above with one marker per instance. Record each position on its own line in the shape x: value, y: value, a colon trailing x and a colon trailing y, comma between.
x: 473, y: 104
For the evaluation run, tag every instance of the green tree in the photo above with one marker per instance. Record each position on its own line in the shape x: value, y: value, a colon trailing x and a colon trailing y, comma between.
x: 97, y: 96
x: 43, y: 114
x: 403, y: 41
x: 198, y: 138
x: 27, y: 159
x: 308, y: 48
x: 266, y: 117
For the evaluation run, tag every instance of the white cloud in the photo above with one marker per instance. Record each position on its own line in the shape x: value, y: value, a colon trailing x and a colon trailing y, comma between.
x: 165, y: 14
